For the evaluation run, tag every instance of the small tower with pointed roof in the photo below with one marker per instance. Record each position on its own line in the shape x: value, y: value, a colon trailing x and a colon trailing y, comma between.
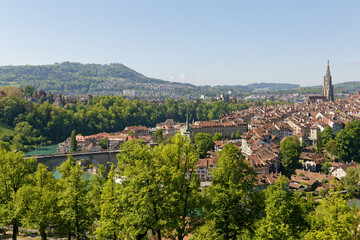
x: 328, y: 90
x: 187, y: 127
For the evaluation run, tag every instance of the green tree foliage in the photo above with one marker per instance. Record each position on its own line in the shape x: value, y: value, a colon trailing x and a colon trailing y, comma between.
x: 204, y: 143
x: 38, y: 201
x: 327, y: 135
x: 5, y: 145
x: 42, y: 99
x: 238, y: 134
x: 326, y: 167
x: 26, y: 135
x: 104, y: 143
x: 289, y: 154
x: 111, y: 209
x: 334, y: 219
x: 351, y: 180
x: 218, y: 137
x: 29, y: 90
x: 50, y: 97
x: 164, y: 194
x: 77, y: 78
x: 95, y: 190
x: 73, y: 142
x: 158, y: 134
x: 14, y: 173
x: 331, y: 146
x: 10, y: 91
x: 73, y: 202
x: 233, y: 203
x: 348, y: 144
x: 109, y: 114
x: 285, y: 213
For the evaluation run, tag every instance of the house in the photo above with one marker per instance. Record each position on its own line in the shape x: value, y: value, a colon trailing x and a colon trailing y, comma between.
x: 137, y: 130
x: 264, y: 180
x: 219, y: 145
x: 312, y: 161
x: 205, y: 165
x: 340, y: 171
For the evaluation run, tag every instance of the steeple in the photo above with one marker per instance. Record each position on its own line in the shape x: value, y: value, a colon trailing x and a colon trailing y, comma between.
x: 328, y: 71
x: 328, y: 91
x: 187, y: 128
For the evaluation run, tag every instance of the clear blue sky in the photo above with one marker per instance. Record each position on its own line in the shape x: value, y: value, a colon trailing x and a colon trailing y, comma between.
x: 196, y: 41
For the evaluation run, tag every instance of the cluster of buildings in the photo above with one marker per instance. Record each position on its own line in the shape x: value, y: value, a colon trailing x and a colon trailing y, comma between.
x: 90, y: 143
x: 262, y: 129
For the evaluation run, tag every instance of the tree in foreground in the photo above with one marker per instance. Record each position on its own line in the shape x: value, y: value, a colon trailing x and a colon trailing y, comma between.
x: 110, y: 219
x: 14, y: 173
x: 289, y: 154
x: 233, y: 203
x: 334, y: 219
x: 38, y: 201
x: 73, y: 203
x: 285, y: 213
x: 158, y: 193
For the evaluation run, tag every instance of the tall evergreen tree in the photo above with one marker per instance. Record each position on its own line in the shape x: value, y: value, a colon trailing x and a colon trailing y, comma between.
x: 73, y: 142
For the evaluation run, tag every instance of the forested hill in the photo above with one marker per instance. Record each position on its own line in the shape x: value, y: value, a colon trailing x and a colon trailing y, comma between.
x: 110, y: 79
x: 69, y: 77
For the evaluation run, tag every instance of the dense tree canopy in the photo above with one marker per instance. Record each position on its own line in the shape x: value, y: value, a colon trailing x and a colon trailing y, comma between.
x: 44, y: 123
x: 347, y: 142
x: 285, y: 213
x: 14, y: 173
x: 204, y: 143
x: 155, y: 192
x: 289, y: 153
x: 233, y: 203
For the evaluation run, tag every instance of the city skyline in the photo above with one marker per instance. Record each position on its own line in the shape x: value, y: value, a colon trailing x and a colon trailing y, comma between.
x: 202, y: 42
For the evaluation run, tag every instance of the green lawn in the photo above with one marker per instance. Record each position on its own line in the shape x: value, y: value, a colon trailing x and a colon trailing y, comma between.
x: 5, y: 130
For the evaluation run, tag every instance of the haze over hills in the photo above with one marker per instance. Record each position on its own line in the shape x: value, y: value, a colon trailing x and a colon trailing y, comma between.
x: 75, y: 78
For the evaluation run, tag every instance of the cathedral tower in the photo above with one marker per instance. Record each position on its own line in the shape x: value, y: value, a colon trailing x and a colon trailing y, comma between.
x: 328, y: 90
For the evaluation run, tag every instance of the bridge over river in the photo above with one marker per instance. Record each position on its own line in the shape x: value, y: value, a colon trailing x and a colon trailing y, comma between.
x: 55, y: 160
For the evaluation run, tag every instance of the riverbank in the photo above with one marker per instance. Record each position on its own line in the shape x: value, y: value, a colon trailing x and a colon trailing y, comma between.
x: 50, y: 149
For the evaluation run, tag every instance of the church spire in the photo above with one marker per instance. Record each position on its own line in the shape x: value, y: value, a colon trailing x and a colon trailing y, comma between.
x: 328, y: 90
x: 328, y: 70
x: 187, y: 128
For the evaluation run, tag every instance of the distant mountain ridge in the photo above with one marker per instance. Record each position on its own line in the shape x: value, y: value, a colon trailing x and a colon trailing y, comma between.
x: 78, y: 78
x: 268, y: 86
x: 74, y: 78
